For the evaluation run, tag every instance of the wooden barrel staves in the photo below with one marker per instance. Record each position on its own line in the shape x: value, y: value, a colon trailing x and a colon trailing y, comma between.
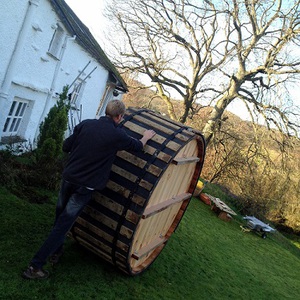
x: 130, y: 221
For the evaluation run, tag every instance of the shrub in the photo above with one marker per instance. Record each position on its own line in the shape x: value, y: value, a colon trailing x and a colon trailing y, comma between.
x: 26, y: 174
x: 52, y: 130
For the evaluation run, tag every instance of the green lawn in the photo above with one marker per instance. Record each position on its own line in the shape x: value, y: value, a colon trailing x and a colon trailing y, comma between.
x: 206, y: 258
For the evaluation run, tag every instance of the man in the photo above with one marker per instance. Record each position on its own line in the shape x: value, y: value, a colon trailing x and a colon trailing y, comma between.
x: 92, y: 149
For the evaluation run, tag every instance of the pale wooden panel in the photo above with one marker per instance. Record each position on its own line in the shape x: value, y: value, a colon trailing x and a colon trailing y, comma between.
x: 175, y: 181
x: 152, y: 210
x: 185, y: 160
x: 151, y: 246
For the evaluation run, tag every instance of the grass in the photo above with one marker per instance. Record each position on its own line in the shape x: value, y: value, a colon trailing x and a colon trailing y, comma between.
x: 206, y: 258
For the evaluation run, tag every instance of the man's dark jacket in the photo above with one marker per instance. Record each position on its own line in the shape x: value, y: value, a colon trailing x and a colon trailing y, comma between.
x: 92, y: 148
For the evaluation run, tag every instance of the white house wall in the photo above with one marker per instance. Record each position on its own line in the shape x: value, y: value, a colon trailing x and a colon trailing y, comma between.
x: 38, y: 76
x: 9, y: 28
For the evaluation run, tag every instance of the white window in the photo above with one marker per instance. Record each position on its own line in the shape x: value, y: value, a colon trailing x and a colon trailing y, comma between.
x: 15, y: 116
x: 56, y: 42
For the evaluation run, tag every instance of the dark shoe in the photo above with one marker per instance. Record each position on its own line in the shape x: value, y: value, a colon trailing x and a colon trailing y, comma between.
x: 32, y: 273
x: 54, y: 258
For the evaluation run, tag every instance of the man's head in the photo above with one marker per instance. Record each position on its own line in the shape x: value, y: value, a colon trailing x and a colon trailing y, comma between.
x: 115, y: 109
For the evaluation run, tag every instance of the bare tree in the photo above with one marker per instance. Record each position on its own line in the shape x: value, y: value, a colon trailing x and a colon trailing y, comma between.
x: 174, y: 43
x: 266, y: 62
x: 213, y: 52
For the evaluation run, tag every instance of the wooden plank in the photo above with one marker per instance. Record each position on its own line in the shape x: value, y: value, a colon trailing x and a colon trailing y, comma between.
x: 131, y: 177
x: 122, y: 246
x: 152, y: 210
x: 148, y: 248
x: 132, y: 217
x: 167, y: 122
x: 161, y: 155
x: 154, y: 170
x: 95, y: 229
x: 100, y: 245
x: 132, y: 159
x: 100, y: 217
x: 146, y: 185
x: 185, y: 160
x: 222, y: 206
x: 138, y: 200
x: 153, y: 125
x: 125, y: 231
x: 140, y: 130
x: 173, y: 146
x: 108, y: 203
x: 118, y: 188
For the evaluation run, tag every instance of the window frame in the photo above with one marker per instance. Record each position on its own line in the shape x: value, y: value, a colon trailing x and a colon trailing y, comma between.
x: 15, y: 117
x: 56, y: 42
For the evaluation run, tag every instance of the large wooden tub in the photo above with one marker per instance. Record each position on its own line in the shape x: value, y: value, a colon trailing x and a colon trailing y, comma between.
x: 131, y: 220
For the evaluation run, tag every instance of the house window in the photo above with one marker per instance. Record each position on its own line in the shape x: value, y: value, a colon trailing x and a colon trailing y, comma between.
x: 56, y: 42
x: 15, y: 116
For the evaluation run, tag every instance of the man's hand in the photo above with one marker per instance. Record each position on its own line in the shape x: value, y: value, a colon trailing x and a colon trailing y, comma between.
x: 148, y: 134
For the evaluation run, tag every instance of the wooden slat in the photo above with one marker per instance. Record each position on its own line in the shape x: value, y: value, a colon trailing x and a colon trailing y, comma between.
x: 161, y: 155
x: 163, y: 120
x: 125, y: 231
x: 148, y: 248
x: 95, y: 229
x: 185, y: 160
x: 154, y: 170
x: 108, y: 203
x: 138, y: 200
x: 132, y: 159
x: 132, y: 217
x: 153, y: 125
x: 152, y: 210
x: 100, y: 217
x: 122, y: 246
x: 140, y: 130
x: 118, y: 170
x: 118, y: 188
x: 133, y: 178
x: 92, y: 240
x: 173, y: 146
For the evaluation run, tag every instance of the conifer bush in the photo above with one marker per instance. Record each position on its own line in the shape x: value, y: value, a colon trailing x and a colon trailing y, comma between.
x: 52, y: 130
x: 49, y: 155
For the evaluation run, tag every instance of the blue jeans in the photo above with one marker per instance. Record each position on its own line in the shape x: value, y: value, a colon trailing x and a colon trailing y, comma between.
x: 71, y: 201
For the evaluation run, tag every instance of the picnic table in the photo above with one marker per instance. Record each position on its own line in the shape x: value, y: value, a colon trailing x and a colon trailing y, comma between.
x: 222, y: 209
x: 259, y: 226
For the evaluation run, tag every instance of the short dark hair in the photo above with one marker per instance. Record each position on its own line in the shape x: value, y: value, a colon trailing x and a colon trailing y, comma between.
x: 115, y: 108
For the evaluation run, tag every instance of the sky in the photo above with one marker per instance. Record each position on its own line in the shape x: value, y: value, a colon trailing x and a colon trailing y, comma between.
x: 90, y: 13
